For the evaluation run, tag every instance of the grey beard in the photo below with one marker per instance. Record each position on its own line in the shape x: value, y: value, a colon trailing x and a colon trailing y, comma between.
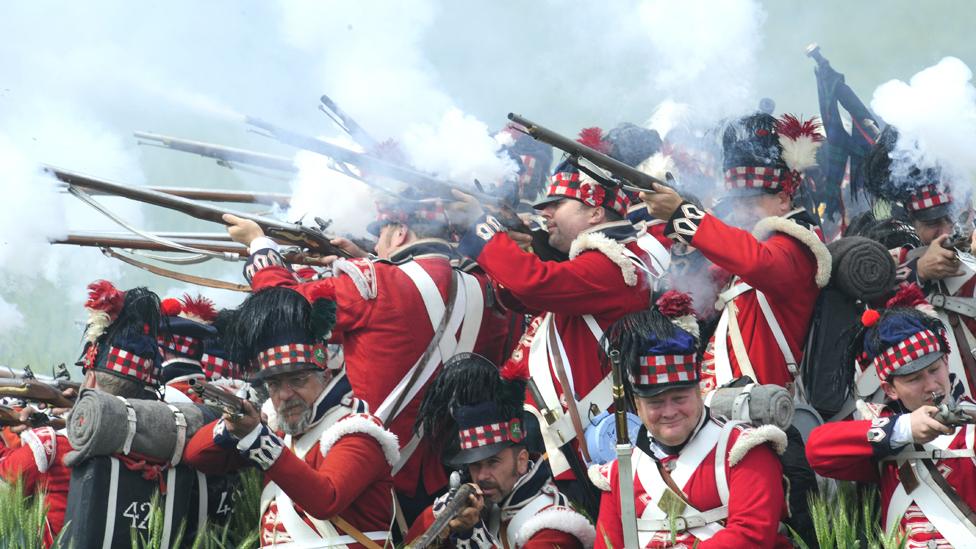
x: 297, y: 427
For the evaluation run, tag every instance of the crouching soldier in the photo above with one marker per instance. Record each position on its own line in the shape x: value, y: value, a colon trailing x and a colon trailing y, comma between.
x: 498, y: 445
x: 696, y: 481
x: 918, y: 446
x: 326, y: 461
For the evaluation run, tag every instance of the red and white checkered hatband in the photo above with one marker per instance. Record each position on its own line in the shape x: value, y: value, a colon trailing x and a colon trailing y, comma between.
x: 132, y: 365
x: 181, y: 345
x: 928, y: 196
x: 589, y: 192
x: 215, y: 366
x: 294, y: 353
x: 756, y: 177
x: 424, y: 211
x: 665, y: 369
x: 921, y: 344
x: 494, y: 433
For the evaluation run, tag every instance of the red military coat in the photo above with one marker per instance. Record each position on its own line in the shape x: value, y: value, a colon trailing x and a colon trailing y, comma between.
x: 39, y: 464
x: 384, y: 328
x: 842, y: 450
x: 345, y: 472
x: 782, y: 258
x: 600, y: 280
x: 756, y: 500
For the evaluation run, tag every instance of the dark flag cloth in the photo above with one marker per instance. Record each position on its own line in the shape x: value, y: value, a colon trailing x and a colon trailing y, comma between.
x: 841, y: 145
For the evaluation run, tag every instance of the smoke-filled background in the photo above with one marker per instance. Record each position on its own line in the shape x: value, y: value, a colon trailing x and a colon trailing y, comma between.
x: 76, y: 79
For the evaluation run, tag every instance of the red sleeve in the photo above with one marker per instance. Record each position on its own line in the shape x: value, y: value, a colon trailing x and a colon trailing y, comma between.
x: 552, y: 539
x: 609, y: 525
x: 574, y: 287
x: 420, y: 525
x: 841, y: 450
x: 330, y: 489
x: 772, y: 266
x: 20, y: 463
x: 352, y: 309
x: 756, y: 502
x: 202, y: 454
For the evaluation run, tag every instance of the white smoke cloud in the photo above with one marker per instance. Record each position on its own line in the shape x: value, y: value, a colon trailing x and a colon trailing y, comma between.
x: 935, y: 114
x: 10, y: 317
x: 320, y: 191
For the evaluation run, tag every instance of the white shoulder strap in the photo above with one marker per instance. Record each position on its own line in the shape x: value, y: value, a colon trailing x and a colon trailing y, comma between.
x: 525, y: 514
x: 721, y: 458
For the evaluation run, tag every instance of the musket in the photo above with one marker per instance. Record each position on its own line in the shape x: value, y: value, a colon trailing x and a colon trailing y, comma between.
x: 371, y: 165
x: 36, y: 391
x: 292, y: 234
x: 216, y: 397
x: 222, y: 154
x: 216, y: 195
x: 591, y: 499
x: 9, y: 417
x: 347, y: 123
x: 628, y: 512
x: 457, y: 501
x: 96, y: 240
x: 622, y: 175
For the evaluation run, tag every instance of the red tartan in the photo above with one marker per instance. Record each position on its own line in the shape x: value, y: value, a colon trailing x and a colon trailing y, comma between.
x: 214, y: 366
x: 661, y: 369
x: 181, y: 344
x: 128, y: 364
x: 756, y: 177
x: 295, y: 353
x: 910, y: 350
x: 927, y: 197
x: 483, y: 435
x: 589, y: 192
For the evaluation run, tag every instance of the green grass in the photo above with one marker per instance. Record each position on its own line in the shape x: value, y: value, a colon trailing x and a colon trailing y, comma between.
x: 848, y: 517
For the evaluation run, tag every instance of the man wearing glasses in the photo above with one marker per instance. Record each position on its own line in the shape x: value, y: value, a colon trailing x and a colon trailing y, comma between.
x: 326, y: 461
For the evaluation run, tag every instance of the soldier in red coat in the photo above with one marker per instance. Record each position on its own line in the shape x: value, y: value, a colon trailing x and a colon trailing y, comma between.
x: 400, y: 314
x: 326, y: 460
x: 945, y: 269
x: 697, y: 482
x: 185, y: 328
x: 925, y: 467
x: 478, y: 411
x: 772, y: 252
x: 121, y: 357
x: 611, y: 271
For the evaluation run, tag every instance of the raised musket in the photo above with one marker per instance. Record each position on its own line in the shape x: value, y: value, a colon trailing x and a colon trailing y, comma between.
x: 220, y: 153
x: 347, y: 123
x: 623, y: 175
x: 217, y: 195
x: 371, y: 165
x: 97, y: 240
x: 457, y: 501
x: 625, y: 477
x: 312, y: 239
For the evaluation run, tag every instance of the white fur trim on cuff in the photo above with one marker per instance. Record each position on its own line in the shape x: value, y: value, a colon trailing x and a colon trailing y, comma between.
x: 609, y: 247
x: 364, y: 424
x: 808, y: 238
x: 562, y: 519
x: 43, y: 451
x: 599, y: 476
x: 750, y: 438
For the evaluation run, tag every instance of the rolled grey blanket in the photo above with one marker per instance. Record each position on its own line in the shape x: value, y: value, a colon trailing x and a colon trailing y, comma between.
x: 862, y: 268
x: 768, y: 405
x: 99, y: 425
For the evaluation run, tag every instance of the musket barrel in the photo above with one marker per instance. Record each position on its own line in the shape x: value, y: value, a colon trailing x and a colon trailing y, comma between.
x: 636, y: 178
x: 221, y: 152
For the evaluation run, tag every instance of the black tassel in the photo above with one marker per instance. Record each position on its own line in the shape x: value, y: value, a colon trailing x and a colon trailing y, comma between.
x: 267, y: 316
x: 465, y: 379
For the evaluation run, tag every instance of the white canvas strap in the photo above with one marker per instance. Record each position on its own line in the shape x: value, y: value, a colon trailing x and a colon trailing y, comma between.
x: 531, y: 509
x: 445, y: 347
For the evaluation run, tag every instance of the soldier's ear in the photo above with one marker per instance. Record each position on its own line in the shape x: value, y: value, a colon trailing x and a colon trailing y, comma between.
x: 889, y: 390
x: 522, y: 460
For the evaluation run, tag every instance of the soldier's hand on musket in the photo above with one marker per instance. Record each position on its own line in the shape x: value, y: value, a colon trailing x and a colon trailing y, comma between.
x: 242, y: 231
x: 663, y: 202
x: 468, y: 518
x: 343, y: 244
x: 465, y: 210
x: 925, y: 428
x: 523, y: 240
x: 242, y: 425
x: 938, y: 262
x: 24, y: 415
